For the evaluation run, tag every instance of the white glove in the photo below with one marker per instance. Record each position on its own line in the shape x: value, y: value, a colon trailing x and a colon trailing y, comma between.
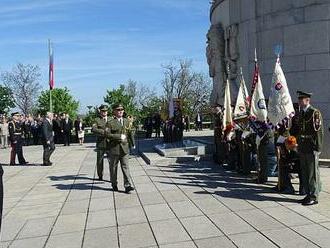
x: 123, y: 137
x: 316, y: 153
x: 133, y: 147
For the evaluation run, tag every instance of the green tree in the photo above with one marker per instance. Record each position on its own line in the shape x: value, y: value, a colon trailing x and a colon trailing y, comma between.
x: 120, y: 95
x: 91, y: 116
x: 62, y: 101
x: 6, y: 100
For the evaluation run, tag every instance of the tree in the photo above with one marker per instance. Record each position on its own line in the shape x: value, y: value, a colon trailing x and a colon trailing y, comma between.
x: 62, y: 101
x: 121, y: 96
x: 91, y: 116
x: 23, y: 81
x: 6, y: 100
x: 193, y: 88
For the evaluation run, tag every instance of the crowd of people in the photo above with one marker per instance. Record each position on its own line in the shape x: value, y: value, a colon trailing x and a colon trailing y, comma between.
x: 291, y: 148
x: 171, y: 128
x: 24, y: 130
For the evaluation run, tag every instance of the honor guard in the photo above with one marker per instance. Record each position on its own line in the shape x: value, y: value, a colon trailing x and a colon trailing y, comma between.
x: 15, y: 129
x: 121, y: 139
x: 101, y: 142
x: 310, y: 140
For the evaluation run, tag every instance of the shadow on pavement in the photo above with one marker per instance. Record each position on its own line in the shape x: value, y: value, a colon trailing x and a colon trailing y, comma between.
x: 211, y: 176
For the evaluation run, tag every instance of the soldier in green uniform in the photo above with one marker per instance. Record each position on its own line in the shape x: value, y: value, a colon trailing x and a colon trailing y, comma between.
x: 101, y: 142
x: 120, y: 135
x: 310, y: 139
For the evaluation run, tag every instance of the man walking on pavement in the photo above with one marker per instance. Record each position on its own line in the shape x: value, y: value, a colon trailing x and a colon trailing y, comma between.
x: 48, y: 138
x: 101, y: 142
x: 121, y: 139
x: 310, y: 140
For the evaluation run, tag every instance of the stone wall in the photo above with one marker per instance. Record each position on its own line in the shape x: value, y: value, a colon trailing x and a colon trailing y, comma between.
x: 302, y: 27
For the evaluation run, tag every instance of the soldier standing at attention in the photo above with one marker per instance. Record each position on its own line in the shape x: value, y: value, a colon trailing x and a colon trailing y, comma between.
x: 310, y: 139
x: 121, y: 138
x: 15, y: 129
x: 101, y: 142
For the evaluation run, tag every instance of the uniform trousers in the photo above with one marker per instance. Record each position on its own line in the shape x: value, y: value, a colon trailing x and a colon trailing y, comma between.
x: 113, y: 164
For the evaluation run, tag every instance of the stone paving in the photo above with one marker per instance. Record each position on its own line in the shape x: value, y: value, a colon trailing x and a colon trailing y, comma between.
x: 192, y: 204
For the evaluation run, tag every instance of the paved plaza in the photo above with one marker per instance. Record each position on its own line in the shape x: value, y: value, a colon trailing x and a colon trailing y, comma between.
x: 183, y: 205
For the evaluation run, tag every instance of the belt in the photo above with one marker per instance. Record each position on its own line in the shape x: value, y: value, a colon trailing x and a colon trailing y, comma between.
x: 306, y: 136
x: 18, y: 133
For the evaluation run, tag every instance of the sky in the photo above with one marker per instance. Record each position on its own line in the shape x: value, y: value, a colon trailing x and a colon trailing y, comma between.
x: 99, y: 44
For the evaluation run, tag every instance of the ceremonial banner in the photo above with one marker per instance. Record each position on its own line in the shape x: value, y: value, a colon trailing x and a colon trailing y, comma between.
x: 227, y: 117
x: 242, y: 101
x: 258, y: 110
x: 51, y: 67
x: 280, y: 107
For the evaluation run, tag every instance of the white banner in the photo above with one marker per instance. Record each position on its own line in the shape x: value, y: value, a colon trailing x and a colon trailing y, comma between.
x: 227, y: 117
x: 280, y: 107
x: 258, y: 104
x: 241, y: 101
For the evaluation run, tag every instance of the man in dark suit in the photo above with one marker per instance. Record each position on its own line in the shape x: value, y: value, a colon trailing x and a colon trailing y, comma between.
x: 66, y: 127
x: 120, y: 134
x: 48, y: 138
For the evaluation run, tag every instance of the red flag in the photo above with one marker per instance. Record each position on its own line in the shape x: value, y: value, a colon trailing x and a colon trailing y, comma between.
x: 51, y: 67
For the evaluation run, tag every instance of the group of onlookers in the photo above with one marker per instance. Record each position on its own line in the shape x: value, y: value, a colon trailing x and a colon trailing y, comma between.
x: 32, y: 129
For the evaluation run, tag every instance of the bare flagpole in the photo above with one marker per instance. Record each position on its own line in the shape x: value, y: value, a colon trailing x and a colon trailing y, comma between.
x: 50, y: 76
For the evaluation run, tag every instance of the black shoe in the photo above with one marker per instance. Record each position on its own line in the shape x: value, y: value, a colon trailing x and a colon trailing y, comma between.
x: 12, y: 164
x: 24, y: 163
x: 100, y: 178
x: 306, y: 199
x: 310, y: 202
x: 114, y: 188
x: 46, y: 164
x: 128, y: 189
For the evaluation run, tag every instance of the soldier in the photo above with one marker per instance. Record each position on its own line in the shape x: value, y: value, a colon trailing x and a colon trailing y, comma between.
x: 15, y: 129
x: 121, y: 138
x: 101, y: 142
x: 310, y: 140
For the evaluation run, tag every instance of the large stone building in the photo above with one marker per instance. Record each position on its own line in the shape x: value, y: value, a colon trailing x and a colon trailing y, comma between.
x: 301, y: 27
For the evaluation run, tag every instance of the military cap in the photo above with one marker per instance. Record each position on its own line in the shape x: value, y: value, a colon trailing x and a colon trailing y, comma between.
x: 118, y: 106
x: 103, y: 107
x: 15, y: 113
x: 302, y: 94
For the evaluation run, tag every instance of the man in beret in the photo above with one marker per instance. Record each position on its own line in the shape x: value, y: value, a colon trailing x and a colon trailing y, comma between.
x: 121, y: 139
x: 98, y: 129
x: 310, y: 140
x: 15, y: 129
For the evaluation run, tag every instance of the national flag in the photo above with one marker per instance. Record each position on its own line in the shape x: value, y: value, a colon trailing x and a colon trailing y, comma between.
x: 51, y: 67
x: 280, y: 106
x: 227, y: 120
x: 242, y: 101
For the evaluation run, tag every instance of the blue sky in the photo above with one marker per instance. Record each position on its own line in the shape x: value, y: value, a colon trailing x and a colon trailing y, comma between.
x: 99, y: 44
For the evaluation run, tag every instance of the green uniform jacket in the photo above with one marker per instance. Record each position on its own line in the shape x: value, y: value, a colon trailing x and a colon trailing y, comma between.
x: 114, y: 131
x: 99, y: 130
x: 310, y: 137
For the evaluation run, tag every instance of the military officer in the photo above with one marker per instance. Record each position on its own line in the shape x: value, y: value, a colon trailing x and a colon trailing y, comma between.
x: 15, y: 129
x: 310, y: 139
x: 101, y: 142
x: 121, y: 139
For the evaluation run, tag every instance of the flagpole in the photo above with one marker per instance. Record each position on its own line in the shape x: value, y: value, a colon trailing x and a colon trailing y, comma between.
x: 50, y: 90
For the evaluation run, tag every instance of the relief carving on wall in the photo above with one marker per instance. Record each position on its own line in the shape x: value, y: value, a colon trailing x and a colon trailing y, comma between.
x: 215, y: 53
x: 222, y: 52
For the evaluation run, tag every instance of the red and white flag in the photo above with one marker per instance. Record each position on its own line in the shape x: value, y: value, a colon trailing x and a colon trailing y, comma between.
x: 280, y: 106
x: 51, y: 67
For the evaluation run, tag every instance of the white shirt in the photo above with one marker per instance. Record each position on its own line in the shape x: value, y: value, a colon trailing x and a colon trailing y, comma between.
x: 305, y: 109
